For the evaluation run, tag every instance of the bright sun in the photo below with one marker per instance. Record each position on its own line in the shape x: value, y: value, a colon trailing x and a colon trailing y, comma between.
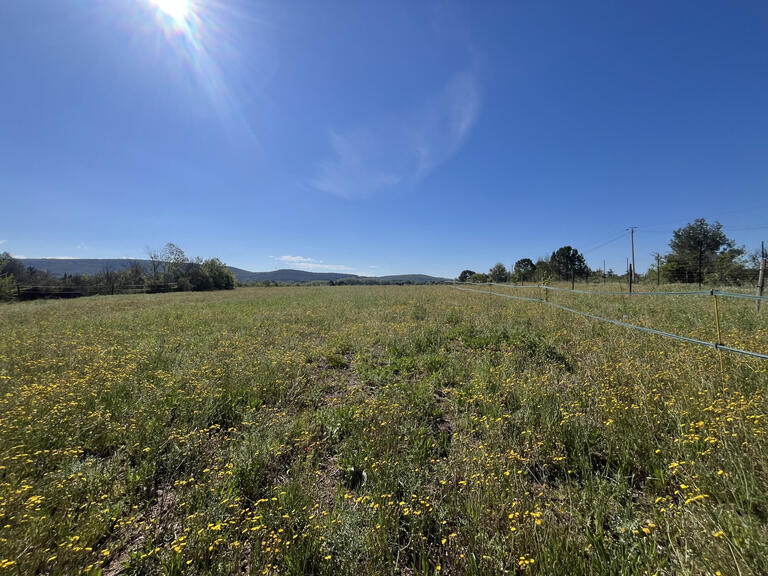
x: 176, y: 9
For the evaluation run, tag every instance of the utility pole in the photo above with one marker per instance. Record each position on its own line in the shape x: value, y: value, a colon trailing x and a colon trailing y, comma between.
x: 632, y: 239
x: 761, y: 276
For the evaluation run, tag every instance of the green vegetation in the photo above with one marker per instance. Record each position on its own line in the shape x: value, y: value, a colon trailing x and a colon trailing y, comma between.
x: 567, y: 262
x: 379, y: 430
x: 524, y: 270
x: 168, y: 270
x: 498, y: 273
x: 700, y: 252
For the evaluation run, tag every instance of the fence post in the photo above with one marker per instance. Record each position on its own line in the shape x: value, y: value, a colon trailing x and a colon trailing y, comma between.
x: 719, y: 336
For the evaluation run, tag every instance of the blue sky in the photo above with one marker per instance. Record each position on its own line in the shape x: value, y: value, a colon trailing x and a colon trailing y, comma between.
x: 377, y: 137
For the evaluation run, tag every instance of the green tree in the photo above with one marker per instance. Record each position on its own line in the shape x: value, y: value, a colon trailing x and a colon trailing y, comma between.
x: 465, y: 275
x: 199, y: 278
x: 478, y: 278
x: 543, y: 269
x: 701, y: 251
x: 498, y: 273
x: 567, y: 261
x: 525, y: 269
x: 174, y: 261
x: 8, y: 265
x: 221, y: 276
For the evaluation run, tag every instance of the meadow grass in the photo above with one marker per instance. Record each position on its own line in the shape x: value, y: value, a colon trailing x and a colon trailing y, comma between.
x: 379, y: 430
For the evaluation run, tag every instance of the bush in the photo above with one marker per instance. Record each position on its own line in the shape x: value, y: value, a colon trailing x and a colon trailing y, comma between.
x: 7, y: 288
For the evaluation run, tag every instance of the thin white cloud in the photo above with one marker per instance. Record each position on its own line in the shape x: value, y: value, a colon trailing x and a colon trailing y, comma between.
x: 2, y: 241
x: 305, y: 263
x: 325, y: 267
x: 295, y: 259
x: 447, y: 123
x: 402, y: 149
x: 358, y: 166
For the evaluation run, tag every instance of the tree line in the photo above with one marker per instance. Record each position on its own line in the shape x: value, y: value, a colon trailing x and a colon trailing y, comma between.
x: 169, y: 270
x: 700, y: 252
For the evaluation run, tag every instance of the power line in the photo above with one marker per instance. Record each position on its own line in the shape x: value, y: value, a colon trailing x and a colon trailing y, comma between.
x: 605, y: 243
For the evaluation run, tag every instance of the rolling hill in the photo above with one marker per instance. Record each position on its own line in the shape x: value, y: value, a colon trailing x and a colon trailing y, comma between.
x: 91, y: 266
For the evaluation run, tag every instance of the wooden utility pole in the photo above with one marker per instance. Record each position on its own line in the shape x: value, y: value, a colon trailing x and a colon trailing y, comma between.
x: 761, y: 275
x: 632, y: 239
x: 631, y: 273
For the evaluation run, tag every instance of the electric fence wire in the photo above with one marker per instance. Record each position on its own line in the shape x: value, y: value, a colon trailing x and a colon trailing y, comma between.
x: 714, y: 345
x: 634, y: 293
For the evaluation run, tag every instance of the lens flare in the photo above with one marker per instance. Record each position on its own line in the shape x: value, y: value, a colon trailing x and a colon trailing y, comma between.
x: 178, y: 10
x: 196, y: 30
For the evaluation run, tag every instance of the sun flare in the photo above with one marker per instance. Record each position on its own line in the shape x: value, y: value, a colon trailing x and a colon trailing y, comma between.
x: 178, y: 10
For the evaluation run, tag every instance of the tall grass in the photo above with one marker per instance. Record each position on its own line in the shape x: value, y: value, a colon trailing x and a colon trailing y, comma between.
x: 379, y: 430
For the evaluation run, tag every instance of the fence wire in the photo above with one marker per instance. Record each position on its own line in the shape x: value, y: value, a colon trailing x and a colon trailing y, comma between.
x: 633, y: 293
x: 714, y: 345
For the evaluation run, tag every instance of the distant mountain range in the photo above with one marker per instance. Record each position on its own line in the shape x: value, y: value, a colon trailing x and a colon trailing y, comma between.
x: 91, y: 266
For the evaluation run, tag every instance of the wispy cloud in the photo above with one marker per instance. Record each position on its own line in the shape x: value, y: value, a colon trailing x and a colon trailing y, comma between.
x: 295, y: 259
x: 2, y: 241
x: 304, y: 263
x: 404, y: 149
x: 358, y: 166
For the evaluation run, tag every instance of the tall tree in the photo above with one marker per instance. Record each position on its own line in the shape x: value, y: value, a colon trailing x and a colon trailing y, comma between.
x: 567, y: 261
x: 174, y: 260
x: 701, y: 250
x: 498, y: 273
x: 524, y: 269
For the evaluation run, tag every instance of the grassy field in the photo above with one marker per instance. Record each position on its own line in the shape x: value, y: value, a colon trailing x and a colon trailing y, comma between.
x: 379, y: 430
